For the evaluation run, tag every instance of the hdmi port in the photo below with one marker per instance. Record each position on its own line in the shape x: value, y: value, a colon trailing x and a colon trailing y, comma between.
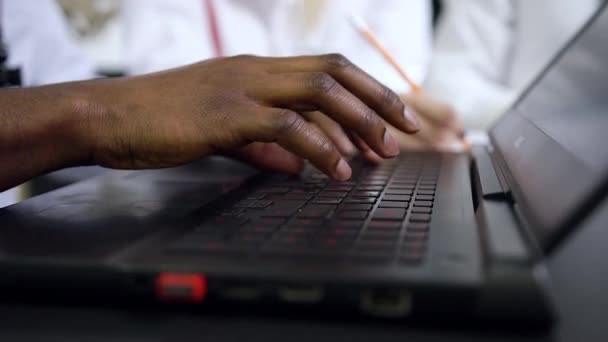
x: 301, y: 294
x: 241, y: 292
x: 389, y: 303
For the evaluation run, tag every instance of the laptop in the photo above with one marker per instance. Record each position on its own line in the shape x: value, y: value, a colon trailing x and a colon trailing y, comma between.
x: 426, y: 234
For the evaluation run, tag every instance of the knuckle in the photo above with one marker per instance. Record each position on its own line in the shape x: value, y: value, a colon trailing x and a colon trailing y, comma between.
x: 324, y: 145
x: 322, y: 83
x: 370, y: 120
x: 336, y: 61
x: 284, y: 121
x: 389, y: 98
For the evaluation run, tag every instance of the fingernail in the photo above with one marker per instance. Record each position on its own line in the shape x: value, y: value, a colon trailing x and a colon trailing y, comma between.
x: 390, y: 144
x: 411, y: 117
x: 343, y: 170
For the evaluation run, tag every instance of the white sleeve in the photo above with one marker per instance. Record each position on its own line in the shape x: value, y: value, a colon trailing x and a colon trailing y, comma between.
x: 405, y: 28
x: 39, y: 41
x: 471, y: 59
x: 162, y: 34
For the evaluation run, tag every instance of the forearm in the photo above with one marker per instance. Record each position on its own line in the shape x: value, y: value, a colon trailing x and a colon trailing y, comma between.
x: 41, y: 129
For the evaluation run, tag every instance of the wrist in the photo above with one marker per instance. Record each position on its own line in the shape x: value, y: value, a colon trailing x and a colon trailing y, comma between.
x: 75, y: 129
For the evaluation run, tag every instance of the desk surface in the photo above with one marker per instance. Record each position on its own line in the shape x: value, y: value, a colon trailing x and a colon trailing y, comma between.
x: 22, y: 323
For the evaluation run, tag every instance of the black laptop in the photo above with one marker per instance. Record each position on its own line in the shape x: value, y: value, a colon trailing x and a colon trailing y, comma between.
x: 426, y: 233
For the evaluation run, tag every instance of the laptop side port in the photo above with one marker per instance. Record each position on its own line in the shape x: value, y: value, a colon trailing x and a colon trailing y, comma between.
x: 301, y: 294
x: 241, y: 292
x: 388, y: 303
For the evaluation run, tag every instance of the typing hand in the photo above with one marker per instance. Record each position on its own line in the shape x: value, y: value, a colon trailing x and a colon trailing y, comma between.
x: 272, y: 112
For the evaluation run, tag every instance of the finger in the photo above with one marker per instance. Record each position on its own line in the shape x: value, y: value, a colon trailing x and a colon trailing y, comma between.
x: 366, y: 152
x: 288, y: 129
x: 437, y: 112
x: 270, y: 157
x: 373, y: 93
x: 320, y: 90
x: 334, y: 131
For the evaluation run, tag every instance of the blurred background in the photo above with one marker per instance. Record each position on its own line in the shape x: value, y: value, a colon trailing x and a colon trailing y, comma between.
x: 472, y: 58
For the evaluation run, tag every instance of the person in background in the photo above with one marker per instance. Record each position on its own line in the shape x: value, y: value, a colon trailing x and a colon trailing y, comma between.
x: 162, y: 34
x: 487, y: 51
x: 40, y: 43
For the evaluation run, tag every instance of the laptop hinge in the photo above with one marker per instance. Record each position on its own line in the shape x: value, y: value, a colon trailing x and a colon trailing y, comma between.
x: 492, y: 181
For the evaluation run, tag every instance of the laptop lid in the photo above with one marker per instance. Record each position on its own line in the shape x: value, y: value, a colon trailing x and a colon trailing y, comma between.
x: 552, y: 142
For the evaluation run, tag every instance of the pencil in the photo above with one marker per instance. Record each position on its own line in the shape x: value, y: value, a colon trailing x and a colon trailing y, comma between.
x: 364, y: 30
x: 361, y: 26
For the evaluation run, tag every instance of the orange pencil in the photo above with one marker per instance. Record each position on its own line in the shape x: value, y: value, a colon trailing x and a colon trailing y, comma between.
x: 364, y: 30
x: 361, y: 26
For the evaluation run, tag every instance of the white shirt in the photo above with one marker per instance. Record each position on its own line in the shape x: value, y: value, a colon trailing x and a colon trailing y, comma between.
x: 40, y: 43
x: 169, y: 33
x: 488, y: 51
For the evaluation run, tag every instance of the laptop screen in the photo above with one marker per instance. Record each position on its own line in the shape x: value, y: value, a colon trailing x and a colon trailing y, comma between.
x: 554, y: 141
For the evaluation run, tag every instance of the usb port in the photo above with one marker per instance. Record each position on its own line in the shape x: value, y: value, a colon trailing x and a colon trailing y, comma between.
x: 390, y: 303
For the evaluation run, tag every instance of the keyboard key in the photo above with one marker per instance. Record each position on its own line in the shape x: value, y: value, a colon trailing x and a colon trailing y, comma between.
x: 316, y: 211
x: 403, y: 186
x: 370, y: 188
x: 268, y: 222
x: 379, y: 235
x: 369, y: 200
x: 379, y: 245
x: 427, y: 187
x: 296, y: 196
x: 427, y: 204
x: 365, y: 194
x: 389, y: 214
x: 425, y: 197
x: 374, y: 182
x: 391, y: 191
x: 418, y: 227
x: 333, y: 194
x: 397, y: 198
x: 357, y: 207
x: 353, y: 214
x: 426, y: 192
x: 327, y: 200
x: 384, y: 225
x: 422, y: 210
x: 306, y: 222
x: 283, y: 209
x: 263, y: 204
x: 347, y: 224
x: 420, y: 218
x: 392, y: 204
x: 275, y: 190
x: 339, y: 187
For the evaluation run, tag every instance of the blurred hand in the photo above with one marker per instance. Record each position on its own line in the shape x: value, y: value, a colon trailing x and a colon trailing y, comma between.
x: 272, y: 112
x: 440, y: 127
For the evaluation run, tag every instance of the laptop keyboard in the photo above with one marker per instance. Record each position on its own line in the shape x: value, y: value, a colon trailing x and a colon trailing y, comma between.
x: 382, y: 214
